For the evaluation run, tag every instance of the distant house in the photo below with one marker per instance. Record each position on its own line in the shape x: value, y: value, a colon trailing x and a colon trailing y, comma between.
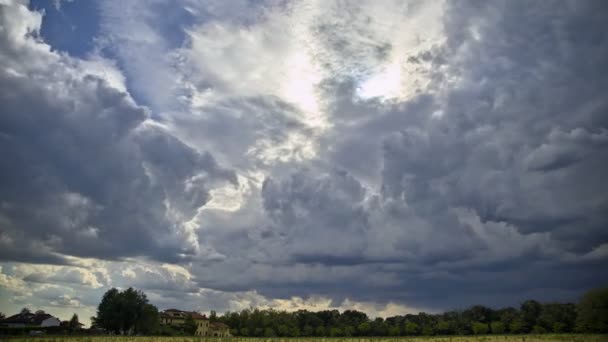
x: 219, y: 329
x: 28, y: 319
x: 177, y: 318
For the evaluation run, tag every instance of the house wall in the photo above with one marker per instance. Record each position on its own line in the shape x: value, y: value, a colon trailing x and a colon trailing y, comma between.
x: 202, y: 327
x: 50, y: 322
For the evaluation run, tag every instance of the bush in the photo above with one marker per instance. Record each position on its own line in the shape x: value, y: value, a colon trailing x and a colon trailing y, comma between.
x: 497, y: 327
x: 479, y: 328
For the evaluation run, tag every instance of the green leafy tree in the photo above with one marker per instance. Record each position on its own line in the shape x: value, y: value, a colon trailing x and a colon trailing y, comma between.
x: 212, y: 316
x: 394, y: 330
x: 516, y: 326
x: 506, y: 316
x: 411, y: 328
x: 74, y: 324
x: 308, y: 331
x: 2, y: 316
x: 592, y: 312
x: 497, y: 327
x: 189, y: 325
x: 445, y: 327
x: 320, y: 331
x: 559, y: 328
x: 269, y: 332
x: 126, y: 312
x: 364, y: 329
x: 479, y: 328
x: 427, y: 330
x: 148, y: 321
x: 557, y: 318
x: 530, y: 311
x: 379, y: 327
x: 538, y: 329
x: 335, y: 332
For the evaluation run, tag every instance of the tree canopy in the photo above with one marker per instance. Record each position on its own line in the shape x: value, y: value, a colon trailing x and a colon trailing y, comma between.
x: 592, y: 312
x: 126, y: 312
x: 590, y: 315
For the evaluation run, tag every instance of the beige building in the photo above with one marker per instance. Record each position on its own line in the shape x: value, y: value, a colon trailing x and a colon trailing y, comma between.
x: 177, y: 318
x: 219, y: 329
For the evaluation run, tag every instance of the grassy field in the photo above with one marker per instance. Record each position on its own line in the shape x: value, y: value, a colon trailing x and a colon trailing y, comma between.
x: 493, y: 338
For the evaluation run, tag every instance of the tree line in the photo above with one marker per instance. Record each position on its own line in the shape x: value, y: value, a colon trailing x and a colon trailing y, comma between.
x: 590, y: 315
x: 129, y: 312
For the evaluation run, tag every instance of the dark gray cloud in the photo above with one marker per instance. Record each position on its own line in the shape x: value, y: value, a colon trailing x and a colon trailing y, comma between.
x: 83, y: 174
x: 482, y: 182
x: 490, y: 182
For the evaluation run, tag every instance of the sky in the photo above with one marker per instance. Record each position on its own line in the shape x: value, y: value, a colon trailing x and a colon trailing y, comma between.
x: 385, y: 156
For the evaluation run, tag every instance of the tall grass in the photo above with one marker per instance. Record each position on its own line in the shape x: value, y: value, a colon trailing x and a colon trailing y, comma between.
x: 493, y: 338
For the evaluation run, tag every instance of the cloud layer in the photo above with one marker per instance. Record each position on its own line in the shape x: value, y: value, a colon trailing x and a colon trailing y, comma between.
x: 388, y: 157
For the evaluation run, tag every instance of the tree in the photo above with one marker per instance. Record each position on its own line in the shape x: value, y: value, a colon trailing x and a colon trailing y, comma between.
x: 148, y: 320
x: 189, y: 325
x: 393, y: 330
x: 74, y: 324
x: 320, y: 331
x: 308, y: 331
x: 516, y: 326
x: 126, y: 312
x: 443, y: 327
x: 507, y: 315
x: 557, y: 318
x: 592, y: 312
x: 212, y: 316
x: 2, y: 316
x: 479, y: 328
x: 530, y: 310
x: 25, y: 311
x: 497, y: 327
x: 411, y: 328
x: 364, y: 329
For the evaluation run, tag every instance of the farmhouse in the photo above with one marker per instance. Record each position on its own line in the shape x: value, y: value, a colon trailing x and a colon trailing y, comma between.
x: 219, y: 329
x: 28, y: 319
x: 177, y: 318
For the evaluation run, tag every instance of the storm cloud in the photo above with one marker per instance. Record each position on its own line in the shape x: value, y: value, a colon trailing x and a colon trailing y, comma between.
x: 385, y: 156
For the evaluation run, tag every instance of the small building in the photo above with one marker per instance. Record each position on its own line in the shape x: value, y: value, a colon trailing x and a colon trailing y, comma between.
x: 177, y: 318
x: 219, y: 329
x: 28, y: 319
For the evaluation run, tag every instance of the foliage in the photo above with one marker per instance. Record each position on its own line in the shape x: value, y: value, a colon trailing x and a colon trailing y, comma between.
x: 592, y: 312
x: 189, y: 325
x: 476, y: 320
x: 497, y: 327
x: 530, y: 311
x: 74, y: 324
x: 531, y: 317
x: 479, y: 328
x: 126, y: 312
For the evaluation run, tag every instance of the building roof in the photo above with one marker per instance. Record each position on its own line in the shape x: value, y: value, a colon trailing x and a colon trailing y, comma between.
x: 169, y: 313
x: 218, y: 325
x: 27, y: 318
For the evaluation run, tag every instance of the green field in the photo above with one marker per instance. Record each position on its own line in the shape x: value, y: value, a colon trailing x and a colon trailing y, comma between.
x: 493, y: 338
